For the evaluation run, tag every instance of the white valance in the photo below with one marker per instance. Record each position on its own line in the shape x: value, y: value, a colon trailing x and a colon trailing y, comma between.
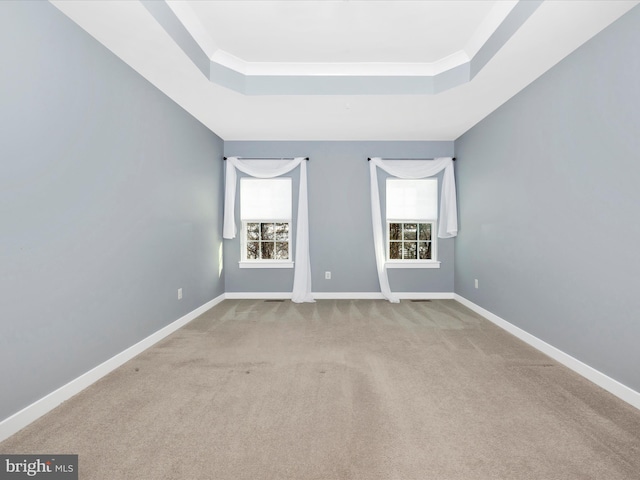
x: 270, y: 169
x: 411, y: 169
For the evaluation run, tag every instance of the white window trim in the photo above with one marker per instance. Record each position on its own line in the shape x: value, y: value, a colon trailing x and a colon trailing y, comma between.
x: 265, y: 264
x: 399, y: 263
x: 412, y: 264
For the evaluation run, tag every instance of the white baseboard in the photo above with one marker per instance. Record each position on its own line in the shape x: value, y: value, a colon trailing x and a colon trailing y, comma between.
x: 24, y: 417
x: 425, y: 295
x: 340, y: 295
x: 257, y: 295
x: 609, y: 384
x: 347, y: 295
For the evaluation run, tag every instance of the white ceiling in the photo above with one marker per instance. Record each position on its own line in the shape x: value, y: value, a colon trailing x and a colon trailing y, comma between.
x: 341, y: 31
x: 344, y: 31
x: 292, y: 44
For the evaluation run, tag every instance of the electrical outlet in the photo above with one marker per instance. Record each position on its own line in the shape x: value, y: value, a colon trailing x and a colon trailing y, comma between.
x: 327, y: 275
x: 476, y: 283
x: 180, y: 294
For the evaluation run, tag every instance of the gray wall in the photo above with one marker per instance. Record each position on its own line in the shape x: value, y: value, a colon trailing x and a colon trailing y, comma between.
x: 110, y: 200
x: 549, y: 203
x: 339, y: 220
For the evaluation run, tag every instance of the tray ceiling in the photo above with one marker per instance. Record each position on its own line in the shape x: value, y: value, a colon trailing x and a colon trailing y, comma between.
x: 342, y: 70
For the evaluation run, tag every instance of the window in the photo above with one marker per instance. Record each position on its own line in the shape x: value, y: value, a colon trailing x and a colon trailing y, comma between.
x: 267, y: 241
x: 265, y: 212
x: 412, y: 216
x: 410, y: 241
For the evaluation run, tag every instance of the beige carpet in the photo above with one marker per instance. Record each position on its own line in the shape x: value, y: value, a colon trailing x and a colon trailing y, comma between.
x: 342, y: 389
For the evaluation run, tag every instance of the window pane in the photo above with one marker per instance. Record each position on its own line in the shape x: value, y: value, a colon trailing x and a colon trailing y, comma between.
x: 253, y: 232
x: 266, y: 231
x: 410, y: 231
x: 267, y: 250
x: 395, y: 250
x: 282, y: 231
x: 282, y: 251
x: 410, y: 250
x: 253, y: 250
x: 395, y: 231
x: 425, y: 250
x: 425, y: 231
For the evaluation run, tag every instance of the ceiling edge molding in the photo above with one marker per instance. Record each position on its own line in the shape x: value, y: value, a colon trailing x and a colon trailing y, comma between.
x: 513, y: 21
x: 192, y: 24
x: 331, y: 79
x: 489, y: 25
x: 366, y: 69
x: 170, y: 22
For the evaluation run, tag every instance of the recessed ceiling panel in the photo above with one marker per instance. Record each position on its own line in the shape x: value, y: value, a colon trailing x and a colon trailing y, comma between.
x: 342, y: 31
x: 340, y: 47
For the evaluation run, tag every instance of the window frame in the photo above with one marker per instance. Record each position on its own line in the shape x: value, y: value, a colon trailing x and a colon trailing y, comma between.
x: 433, y: 262
x: 264, y: 262
x: 245, y: 262
x: 412, y: 262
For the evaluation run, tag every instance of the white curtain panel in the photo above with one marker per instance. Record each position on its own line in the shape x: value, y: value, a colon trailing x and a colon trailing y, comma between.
x: 411, y: 169
x: 270, y: 169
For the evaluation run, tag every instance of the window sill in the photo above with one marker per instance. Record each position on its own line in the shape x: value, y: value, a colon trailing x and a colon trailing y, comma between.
x: 412, y: 264
x: 265, y: 264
